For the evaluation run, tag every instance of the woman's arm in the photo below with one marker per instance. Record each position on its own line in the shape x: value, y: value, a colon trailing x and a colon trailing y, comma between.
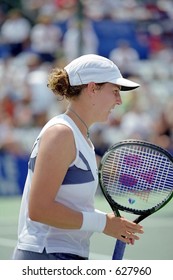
x: 56, y: 152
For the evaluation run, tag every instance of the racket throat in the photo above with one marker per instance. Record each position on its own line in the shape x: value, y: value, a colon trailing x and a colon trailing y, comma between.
x: 116, y: 213
x: 142, y: 217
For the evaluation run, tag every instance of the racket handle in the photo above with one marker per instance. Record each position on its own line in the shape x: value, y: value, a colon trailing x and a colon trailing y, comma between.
x: 119, y: 250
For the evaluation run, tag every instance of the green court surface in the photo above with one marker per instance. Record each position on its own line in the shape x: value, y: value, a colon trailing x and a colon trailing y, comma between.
x: 155, y: 244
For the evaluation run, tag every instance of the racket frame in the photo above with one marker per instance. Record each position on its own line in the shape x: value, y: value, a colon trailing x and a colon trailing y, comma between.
x: 113, y: 204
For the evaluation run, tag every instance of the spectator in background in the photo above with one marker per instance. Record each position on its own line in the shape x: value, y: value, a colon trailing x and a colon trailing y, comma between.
x: 41, y: 101
x: 79, y: 40
x: 15, y: 32
x: 165, y: 54
x: 46, y: 38
x: 124, y: 55
x: 155, y: 37
x: 65, y: 3
x: 163, y: 127
x: 8, y: 140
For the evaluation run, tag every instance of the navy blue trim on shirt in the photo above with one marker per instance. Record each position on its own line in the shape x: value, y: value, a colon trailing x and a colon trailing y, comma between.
x: 84, y: 160
x: 31, y: 163
x: 76, y: 175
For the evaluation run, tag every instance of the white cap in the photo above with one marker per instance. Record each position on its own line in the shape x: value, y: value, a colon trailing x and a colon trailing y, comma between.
x: 98, y: 69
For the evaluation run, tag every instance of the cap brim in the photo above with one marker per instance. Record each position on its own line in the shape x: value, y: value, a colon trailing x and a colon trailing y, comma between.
x: 126, y: 84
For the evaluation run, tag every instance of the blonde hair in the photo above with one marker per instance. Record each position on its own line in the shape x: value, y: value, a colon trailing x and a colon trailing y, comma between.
x: 58, y: 82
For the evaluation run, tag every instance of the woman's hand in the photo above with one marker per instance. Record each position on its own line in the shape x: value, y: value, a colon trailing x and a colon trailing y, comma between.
x: 122, y: 229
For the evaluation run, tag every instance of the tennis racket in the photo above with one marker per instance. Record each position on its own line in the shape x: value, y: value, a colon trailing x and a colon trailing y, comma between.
x: 136, y: 177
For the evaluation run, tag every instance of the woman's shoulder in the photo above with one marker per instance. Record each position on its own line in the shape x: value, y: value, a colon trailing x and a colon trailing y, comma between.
x: 58, y: 141
x: 58, y: 132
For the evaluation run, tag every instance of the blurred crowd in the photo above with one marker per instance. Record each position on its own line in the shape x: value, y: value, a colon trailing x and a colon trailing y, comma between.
x: 43, y: 34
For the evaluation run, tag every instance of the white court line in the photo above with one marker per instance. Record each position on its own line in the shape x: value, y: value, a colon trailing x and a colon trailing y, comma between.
x: 4, y: 242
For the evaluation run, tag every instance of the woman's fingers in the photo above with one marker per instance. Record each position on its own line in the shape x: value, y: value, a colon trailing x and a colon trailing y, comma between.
x: 132, y: 227
x: 122, y: 229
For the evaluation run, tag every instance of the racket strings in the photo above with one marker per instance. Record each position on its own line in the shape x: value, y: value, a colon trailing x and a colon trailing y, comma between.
x: 140, y: 175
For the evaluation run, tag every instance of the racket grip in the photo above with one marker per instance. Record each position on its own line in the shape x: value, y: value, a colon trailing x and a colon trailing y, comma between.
x: 119, y: 250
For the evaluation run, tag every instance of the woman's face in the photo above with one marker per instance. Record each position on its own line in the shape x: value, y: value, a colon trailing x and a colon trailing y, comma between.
x: 107, y: 98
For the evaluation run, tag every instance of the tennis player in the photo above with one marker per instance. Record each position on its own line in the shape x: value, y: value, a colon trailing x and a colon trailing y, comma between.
x: 57, y: 215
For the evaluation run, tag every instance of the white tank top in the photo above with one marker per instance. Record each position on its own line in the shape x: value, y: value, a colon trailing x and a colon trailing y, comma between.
x: 77, y: 191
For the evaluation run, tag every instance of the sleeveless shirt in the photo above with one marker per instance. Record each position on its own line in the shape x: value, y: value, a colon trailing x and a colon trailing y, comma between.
x: 77, y: 192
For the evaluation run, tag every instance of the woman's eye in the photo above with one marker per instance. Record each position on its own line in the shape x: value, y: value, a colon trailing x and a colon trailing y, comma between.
x: 116, y: 92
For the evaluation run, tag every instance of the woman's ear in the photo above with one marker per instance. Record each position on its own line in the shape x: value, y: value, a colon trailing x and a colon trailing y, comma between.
x: 91, y: 87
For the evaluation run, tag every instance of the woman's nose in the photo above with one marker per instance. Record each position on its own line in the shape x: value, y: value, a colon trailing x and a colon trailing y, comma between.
x: 119, y: 100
